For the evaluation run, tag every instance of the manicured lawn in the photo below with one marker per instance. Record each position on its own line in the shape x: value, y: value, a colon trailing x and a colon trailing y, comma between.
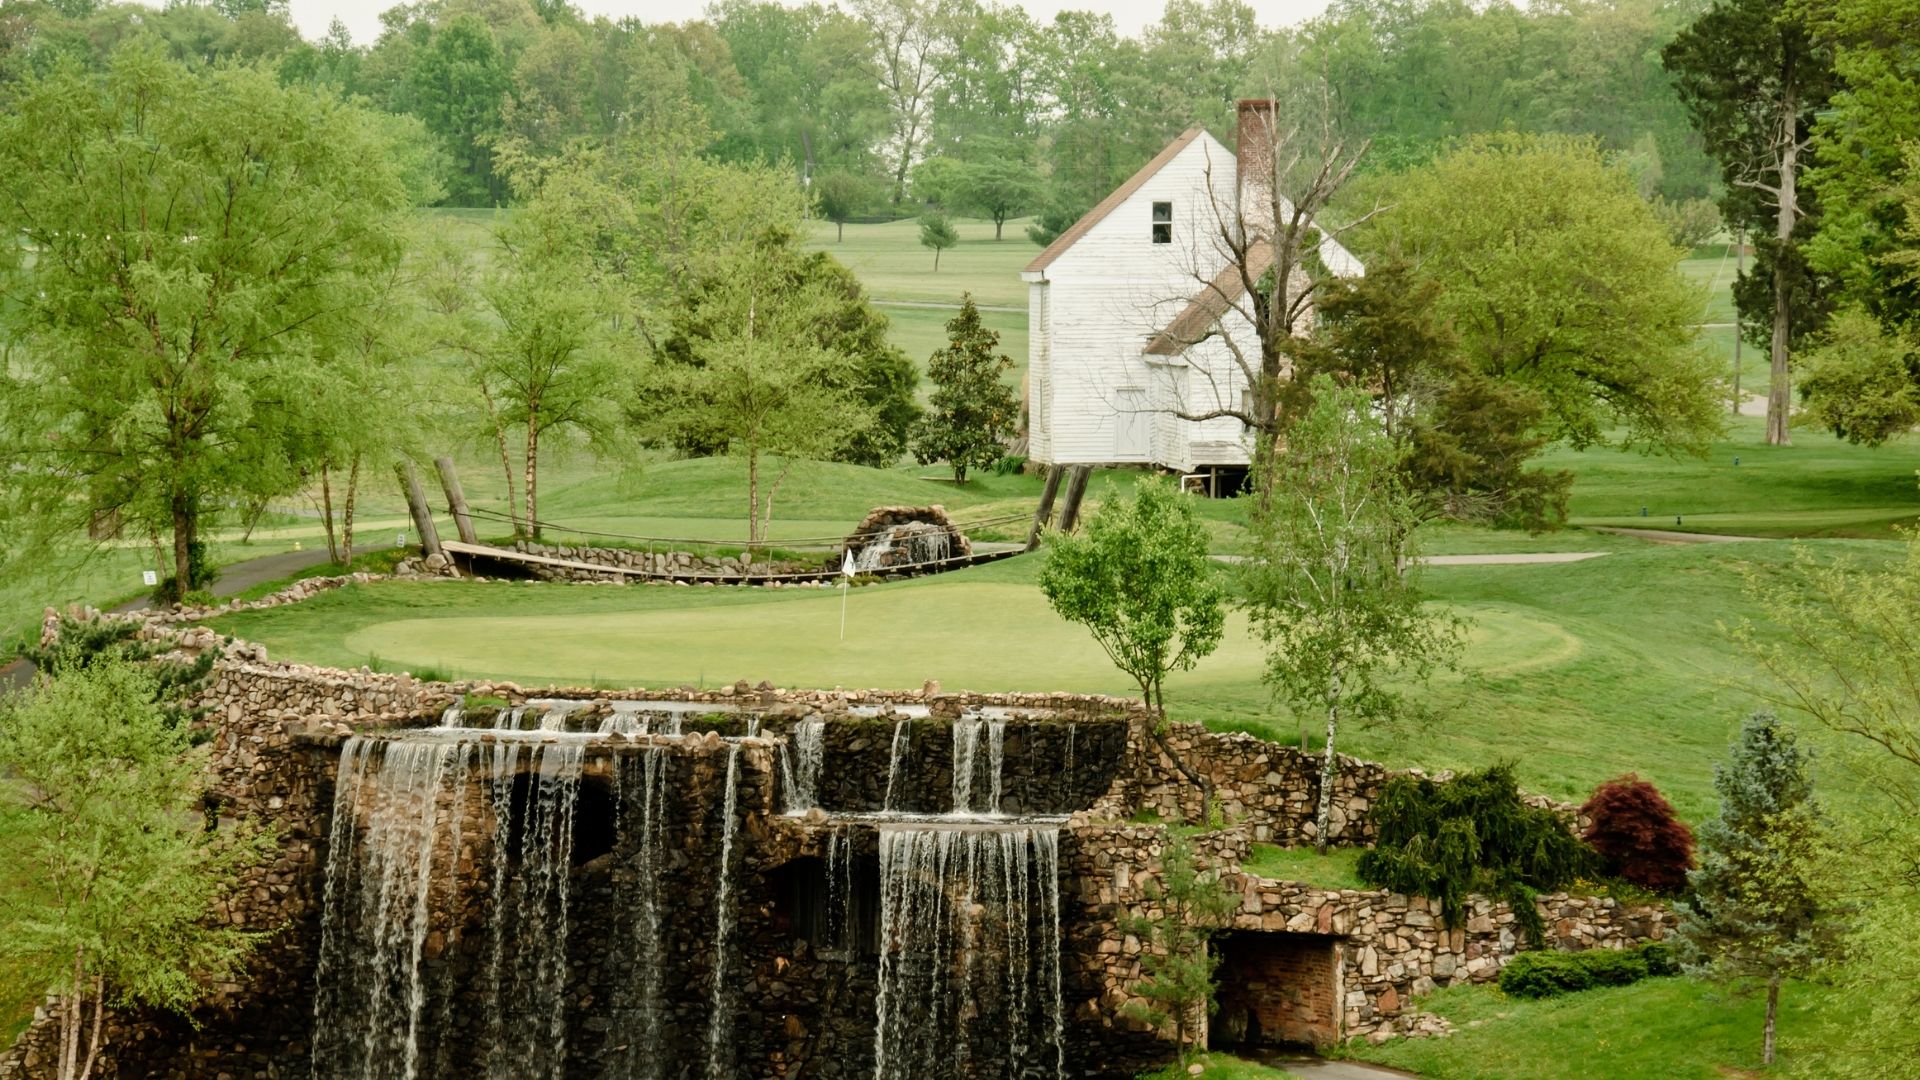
x: 1580, y: 672
x: 1334, y: 870
x: 1659, y: 1029
x: 892, y: 264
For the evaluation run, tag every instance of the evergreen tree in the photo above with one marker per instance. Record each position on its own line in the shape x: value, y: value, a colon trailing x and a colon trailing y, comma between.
x: 1187, y: 902
x: 974, y: 410
x: 1753, y: 916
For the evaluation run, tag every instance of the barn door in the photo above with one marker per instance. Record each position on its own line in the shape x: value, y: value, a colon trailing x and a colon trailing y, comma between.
x: 1133, y: 428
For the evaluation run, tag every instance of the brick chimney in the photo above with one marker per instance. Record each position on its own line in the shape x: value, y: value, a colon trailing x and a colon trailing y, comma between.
x: 1254, y: 171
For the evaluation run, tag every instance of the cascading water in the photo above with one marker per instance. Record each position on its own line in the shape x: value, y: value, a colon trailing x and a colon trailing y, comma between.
x: 896, y: 759
x: 969, y: 953
x: 910, y: 543
x: 966, y: 763
x: 800, y: 762
x: 638, y: 1006
x: 720, y: 1030
x: 399, y: 830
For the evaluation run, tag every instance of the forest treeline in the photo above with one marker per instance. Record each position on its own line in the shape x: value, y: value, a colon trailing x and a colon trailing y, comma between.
x: 882, y: 104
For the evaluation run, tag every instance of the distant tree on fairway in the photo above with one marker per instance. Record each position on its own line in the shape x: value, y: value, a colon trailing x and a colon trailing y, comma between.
x: 201, y: 244
x: 1140, y: 579
x: 1753, y: 77
x: 1189, y: 901
x: 997, y: 186
x: 937, y: 233
x: 112, y: 873
x: 1752, y: 914
x: 840, y: 195
x: 973, y: 409
x: 1333, y: 584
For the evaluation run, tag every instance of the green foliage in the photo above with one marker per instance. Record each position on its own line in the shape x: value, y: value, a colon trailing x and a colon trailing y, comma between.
x: 1333, y: 587
x: 936, y: 232
x: 200, y: 574
x: 1690, y: 223
x: 997, y: 185
x: 1858, y: 380
x: 1186, y: 903
x: 1056, y: 217
x: 1752, y: 914
x: 1140, y: 579
x: 1525, y: 311
x: 458, y: 81
x: 973, y: 410
x: 112, y: 875
x: 1472, y: 834
x: 840, y: 196
x: 268, y: 216
x: 1548, y: 973
x: 85, y: 644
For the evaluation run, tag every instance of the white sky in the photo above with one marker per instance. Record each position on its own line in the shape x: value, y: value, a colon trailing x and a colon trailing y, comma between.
x: 363, y: 16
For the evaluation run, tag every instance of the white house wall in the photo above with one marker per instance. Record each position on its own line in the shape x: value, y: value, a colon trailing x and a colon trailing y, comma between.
x: 1105, y: 297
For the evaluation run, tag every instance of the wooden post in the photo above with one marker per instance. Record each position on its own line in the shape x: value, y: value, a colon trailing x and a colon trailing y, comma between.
x: 417, y: 504
x: 456, y: 500
x: 1043, y: 515
x: 1076, y: 491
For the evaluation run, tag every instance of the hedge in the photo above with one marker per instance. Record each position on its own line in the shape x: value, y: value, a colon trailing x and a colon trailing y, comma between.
x: 1545, y: 973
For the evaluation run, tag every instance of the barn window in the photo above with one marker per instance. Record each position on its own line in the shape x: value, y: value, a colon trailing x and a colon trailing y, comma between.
x: 1163, y: 223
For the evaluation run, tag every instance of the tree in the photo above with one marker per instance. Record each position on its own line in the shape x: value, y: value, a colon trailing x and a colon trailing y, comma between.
x: 974, y: 410
x: 1141, y: 581
x: 459, y: 82
x: 1752, y: 913
x: 1465, y: 437
x: 1753, y: 79
x: 937, y: 233
x: 1188, y: 901
x: 758, y: 386
x: 168, y: 333
x: 112, y: 874
x: 840, y: 195
x: 1858, y: 380
x: 998, y: 187
x: 1333, y: 584
x: 1837, y: 646
x: 1525, y: 312
x: 1637, y: 835
x: 904, y: 59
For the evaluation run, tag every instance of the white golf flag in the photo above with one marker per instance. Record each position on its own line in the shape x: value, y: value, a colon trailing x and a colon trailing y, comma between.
x: 846, y: 564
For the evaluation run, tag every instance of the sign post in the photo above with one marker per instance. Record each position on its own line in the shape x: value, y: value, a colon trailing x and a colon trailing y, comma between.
x: 846, y: 577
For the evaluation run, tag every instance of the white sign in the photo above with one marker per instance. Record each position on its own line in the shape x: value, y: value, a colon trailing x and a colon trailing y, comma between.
x: 150, y: 578
x: 400, y: 540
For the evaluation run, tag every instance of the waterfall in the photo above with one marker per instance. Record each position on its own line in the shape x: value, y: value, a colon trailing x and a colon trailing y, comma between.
x: 720, y: 1029
x: 966, y: 762
x: 896, y: 760
x: 638, y: 1002
x: 800, y: 762
x: 910, y: 543
x: 969, y: 953
x: 398, y: 828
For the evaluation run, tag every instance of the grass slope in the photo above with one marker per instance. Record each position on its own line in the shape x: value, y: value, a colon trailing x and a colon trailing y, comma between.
x: 890, y: 261
x: 1659, y: 1029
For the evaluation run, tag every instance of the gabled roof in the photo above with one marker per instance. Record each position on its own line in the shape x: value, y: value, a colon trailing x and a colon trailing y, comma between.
x: 1112, y: 202
x: 1196, y: 320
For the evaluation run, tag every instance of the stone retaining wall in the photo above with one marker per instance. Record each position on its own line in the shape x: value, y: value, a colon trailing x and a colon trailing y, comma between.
x: 662, y: 563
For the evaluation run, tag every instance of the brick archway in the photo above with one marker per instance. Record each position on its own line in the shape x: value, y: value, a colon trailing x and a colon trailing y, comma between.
x: 1277, y: 989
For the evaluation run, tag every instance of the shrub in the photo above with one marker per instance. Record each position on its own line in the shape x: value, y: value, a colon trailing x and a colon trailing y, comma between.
x: 1472, y: 834
x: 1637, y: 836
x: 1544, y: 973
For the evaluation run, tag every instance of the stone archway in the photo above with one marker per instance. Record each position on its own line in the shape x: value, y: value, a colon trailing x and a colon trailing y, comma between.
x: 1277, y: 989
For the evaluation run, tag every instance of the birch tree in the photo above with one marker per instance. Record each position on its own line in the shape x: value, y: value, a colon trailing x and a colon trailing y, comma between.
x: 906, y: 62
x: 112, y: 876
x: 1333, y: 584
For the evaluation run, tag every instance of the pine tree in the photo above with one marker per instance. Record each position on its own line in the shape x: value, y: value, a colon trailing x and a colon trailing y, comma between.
x: 973, y: 411
x: 1754, y: 917
x: 1188, y: 902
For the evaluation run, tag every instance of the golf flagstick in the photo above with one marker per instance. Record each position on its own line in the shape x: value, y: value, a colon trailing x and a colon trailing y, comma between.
x: 846, y: 575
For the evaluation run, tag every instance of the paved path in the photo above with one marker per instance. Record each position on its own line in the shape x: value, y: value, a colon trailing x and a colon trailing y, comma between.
x: 1322, y: 1069
x: 1670, y: 536
x: 1515, y: 558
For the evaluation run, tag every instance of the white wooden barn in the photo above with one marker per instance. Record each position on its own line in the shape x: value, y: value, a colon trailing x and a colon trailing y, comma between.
x: 1120, y: 337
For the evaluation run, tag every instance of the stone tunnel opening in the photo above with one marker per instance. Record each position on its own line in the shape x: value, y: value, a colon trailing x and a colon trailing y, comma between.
x: 1277, y: 990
